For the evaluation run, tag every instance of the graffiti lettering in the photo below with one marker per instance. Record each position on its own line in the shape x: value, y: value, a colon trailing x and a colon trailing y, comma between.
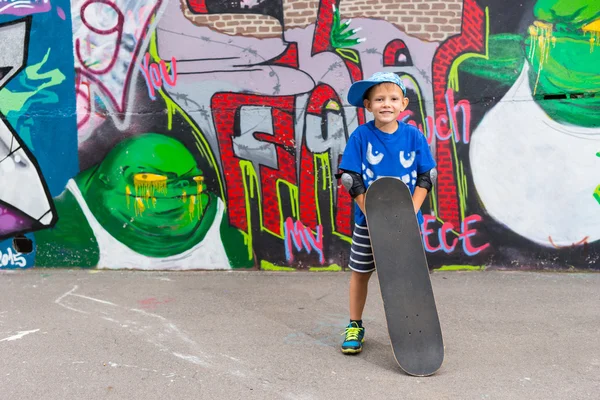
x: 267, y: 139
x: 302, y: 238
x: 107, y: 42
x: 463, y: 236
x: 226, y: 107
x: 8, y: 258
x: 155, y: 76
x: 102, y: 49
x: 446, y: 126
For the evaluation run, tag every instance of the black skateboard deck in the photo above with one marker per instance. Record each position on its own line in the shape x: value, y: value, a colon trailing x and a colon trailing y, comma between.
x: 403, y: 274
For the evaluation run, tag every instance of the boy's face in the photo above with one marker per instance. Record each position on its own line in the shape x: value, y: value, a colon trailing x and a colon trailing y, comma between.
x: 386, y: 101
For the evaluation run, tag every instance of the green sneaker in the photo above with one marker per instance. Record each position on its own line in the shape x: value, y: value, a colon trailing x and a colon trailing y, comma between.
x: 355, y: 338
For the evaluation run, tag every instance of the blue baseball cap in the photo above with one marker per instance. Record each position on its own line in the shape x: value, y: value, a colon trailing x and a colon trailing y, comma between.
x: 359, y: 88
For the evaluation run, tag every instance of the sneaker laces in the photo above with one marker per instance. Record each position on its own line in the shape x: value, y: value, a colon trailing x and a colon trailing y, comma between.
x: 352, y: 333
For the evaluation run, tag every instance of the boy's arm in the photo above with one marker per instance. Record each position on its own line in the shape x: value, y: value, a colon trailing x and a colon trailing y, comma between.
x: 425, y: 182
x: 419, y: 197
x: 360, y: 200
x: 354, y: 184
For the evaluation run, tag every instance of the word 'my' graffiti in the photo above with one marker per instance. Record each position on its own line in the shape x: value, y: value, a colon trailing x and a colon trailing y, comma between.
x: 302, y: 238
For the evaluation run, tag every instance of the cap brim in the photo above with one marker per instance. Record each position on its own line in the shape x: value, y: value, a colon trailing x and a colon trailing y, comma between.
x: 358, y: 90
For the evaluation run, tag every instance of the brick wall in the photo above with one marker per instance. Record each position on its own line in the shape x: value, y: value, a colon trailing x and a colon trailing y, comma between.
x: 237, y: 24
x: 426, y: 19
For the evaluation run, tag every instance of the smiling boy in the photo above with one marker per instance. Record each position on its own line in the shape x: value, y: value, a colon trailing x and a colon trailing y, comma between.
x: 382, y: 147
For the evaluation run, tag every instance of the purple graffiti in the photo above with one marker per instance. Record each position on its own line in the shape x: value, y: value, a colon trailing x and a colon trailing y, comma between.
x: 24, y: 7
x: 12, y: 220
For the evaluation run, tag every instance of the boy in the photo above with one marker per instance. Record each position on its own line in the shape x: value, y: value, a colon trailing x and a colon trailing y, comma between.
x: 382, y: 147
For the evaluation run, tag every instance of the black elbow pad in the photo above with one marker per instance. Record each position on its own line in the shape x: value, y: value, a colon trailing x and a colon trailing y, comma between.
x: 427, y: 179
x: 353, y: 183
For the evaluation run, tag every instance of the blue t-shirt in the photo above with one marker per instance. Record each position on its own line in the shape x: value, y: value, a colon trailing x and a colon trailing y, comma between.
x: 373, y: 153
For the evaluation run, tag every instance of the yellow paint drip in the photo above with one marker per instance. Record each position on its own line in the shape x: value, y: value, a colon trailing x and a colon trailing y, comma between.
x: 199, y: 180
x: 192, y: 206
x: 540, y: 35
x: 593, y: 28
x: 150, y: 184
x: 139, y: 206
x: 195, y: 204
x: 127, y: 195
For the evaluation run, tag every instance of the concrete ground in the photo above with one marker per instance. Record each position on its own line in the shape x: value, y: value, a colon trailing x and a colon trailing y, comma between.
x: 76, y: 334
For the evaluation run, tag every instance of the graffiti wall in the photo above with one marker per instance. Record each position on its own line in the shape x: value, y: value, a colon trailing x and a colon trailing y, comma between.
x: 38, y: 132
x: 205, y: 134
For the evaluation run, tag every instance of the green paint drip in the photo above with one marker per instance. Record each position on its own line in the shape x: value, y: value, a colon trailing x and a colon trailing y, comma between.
x: 332, y: 267
x: 267, y: 266
x: 461, y: 268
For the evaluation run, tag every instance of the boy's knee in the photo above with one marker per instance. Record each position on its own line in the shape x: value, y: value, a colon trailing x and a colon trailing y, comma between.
x: 362, y: 276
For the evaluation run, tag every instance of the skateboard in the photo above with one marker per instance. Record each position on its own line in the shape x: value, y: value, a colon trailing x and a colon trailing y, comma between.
x: 403, y: 274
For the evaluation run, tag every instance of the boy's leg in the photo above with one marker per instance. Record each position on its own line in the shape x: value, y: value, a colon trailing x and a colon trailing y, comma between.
x: 359, y: 285
x: 362, y: 266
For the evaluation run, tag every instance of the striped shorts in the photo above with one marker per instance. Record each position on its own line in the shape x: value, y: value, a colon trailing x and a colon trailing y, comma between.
x: 361, y: 254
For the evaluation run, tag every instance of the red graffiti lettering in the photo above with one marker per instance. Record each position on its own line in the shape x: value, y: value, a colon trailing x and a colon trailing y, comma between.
x: 302, y: 238
x: 467, y: 233
x: 226, y: 107
x: 308, y: 174
x: 446, y: 125
x: 157, y: 76
x: 443, y: 233
x: 465, y: 236
x: 426, y: 232
x: 442, y: 130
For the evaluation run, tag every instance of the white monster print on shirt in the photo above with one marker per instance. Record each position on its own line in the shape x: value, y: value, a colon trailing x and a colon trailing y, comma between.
x: 407, y: 163
x: 373, y: 159
x: 406, y: 178
x: 368, y: 175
